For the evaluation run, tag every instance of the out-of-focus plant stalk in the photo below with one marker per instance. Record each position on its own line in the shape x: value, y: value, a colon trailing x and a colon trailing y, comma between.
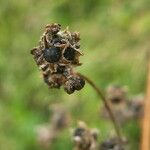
x: 145, y: 139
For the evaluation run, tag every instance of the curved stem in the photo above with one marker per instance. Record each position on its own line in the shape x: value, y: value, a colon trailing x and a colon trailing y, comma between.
x: 100, y: 94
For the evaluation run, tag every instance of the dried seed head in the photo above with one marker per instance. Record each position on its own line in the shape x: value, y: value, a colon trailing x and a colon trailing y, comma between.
x: 84, y: 137
x: 45, y: 136
x: 79, y: 131
x: 57, y: 54
x: 116, y: 94
x: 136, y: 106
x: 113, y: 143
x: 60, y: 117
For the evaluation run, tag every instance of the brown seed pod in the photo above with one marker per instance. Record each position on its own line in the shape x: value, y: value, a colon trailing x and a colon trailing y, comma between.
x: 74, y: 83
x: 57, y: 54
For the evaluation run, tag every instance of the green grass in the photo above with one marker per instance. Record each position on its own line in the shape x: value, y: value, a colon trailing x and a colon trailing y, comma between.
x: 114, y: 39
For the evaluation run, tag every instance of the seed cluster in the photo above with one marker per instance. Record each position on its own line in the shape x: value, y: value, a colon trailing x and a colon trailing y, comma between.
x: 85, y: 138
x: 57, y: 54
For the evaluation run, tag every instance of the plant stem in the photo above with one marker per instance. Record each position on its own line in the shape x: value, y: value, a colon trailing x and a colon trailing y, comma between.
x: 101, y: 95
x: 145, y: 140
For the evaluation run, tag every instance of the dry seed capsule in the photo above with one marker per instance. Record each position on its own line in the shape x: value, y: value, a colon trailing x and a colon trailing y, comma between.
x: 74, y: 83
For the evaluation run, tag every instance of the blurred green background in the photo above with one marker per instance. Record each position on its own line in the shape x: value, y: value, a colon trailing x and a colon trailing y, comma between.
x: 114, y: 38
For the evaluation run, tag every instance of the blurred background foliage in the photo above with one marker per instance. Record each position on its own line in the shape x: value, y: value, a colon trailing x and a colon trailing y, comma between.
x: 115, y: 40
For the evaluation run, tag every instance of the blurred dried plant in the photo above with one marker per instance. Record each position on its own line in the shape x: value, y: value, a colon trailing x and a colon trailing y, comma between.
x: 57, y: 54
x: 123, y: 107
x: 116, y: 94
x: 112, y: 143
x: 136, y: 106
x: 48, y: 133
x: 85, y: 138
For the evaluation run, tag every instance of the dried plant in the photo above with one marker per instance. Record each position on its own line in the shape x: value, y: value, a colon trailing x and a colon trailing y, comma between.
x: 136, y: 106
x: 57, y: 55
x: 123, y: 107
x: 116, y: 94
x: 117, y: 97
x: 48, y: 133
x: 45, y: 136
x: 112, y: 143
x: 85, y: 138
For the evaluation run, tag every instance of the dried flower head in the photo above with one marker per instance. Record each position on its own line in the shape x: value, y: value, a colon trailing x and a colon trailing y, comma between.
x: 84, y: 138
x: 45, y: 136
x: 124, y: 108
x: 136, y: 107
x: 113, y: 144
x: 57, y: 54
x: 116, y: 94
x: 60, y: 117
x: 48, y: 133
x: 117, y: 98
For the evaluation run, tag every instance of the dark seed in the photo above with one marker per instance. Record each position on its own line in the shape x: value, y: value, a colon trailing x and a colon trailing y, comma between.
x: 78, y: 132
x: 52, y: 54
x: 69, y: 53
